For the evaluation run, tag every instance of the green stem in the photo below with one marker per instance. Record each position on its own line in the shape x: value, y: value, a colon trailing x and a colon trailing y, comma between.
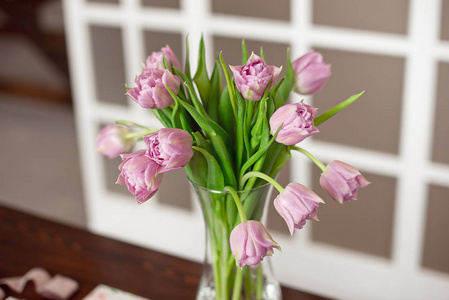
x: 311, y: 157
x: 249, y: 284
x: 259, y: 280
x: 215, y: 265
x: 237, y: 202
x: 224, y: 266
x: 167, y: 112
x: 236, y: 292
x: 140, y: 133
x: 262, y: 176
x: 129, y: 123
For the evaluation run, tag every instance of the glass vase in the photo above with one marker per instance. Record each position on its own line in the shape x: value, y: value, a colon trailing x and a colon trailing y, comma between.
x: 222, y: 279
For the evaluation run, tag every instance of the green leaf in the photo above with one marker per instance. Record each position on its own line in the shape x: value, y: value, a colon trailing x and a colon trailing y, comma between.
x: 262, y: 55
x: 226, y: 117
x: 187, y: 122
x: 262, y: 151
x: 267, y: 88
x: 184, y: 78
x: 194, y: 113
x: 270, y: 158
x: 201, y: 78
x: 283, y: 157
x: 336, y: 109
x: 202, y: 142
x: 200, y: 109
x: 266, y: 131
x: 258, y: 165
x: 289, y: 81
x: 230, y: 84
x: 198, y: 173
x: 215, y: 90
x: 175, y: 117
x: 215, y: 178
x: 180, y: 118
x: 240, y: 148
x: 244, y: 53
x: 274, y: 90
x: 278, y: 100
x: 247, y: 116
x: 216, y: 141
x: 165, y: 63
x: 271, y: 106
x: 258, y: 128
x: 187, y: 65
x: 166, y: 121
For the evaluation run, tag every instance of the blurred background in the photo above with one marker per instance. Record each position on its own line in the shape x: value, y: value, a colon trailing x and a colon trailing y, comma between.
x: 395, y: 236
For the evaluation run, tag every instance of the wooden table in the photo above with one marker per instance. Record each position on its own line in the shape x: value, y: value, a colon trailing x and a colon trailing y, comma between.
x: 27, y: 241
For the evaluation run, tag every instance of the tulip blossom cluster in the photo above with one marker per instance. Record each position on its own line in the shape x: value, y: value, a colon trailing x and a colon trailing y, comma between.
x: 141, y: 171
x: 311, y: 73
x: 342, y: 181
x: 112, y: 140
x: 150, y: 91
x: 253, y: 77
x: 156, y: 59
x: 171, y: 148
x: 140, y: 174
x: 230, y: 138
x: 295, y: 121
x: 296, y: 204
x: 251, y: 242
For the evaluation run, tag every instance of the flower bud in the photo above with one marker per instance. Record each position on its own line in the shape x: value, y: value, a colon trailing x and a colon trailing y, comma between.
x: 296, y: 120
x: 156, y: 58
x: 139, y: 174
x: 341, y: 181
x: 253, y: 77
x: 310, y: 73
x: 296, y: 204
x: 171, y: 148
x: 151, y: 92
x: 250, y: 242
x: 112, y: 141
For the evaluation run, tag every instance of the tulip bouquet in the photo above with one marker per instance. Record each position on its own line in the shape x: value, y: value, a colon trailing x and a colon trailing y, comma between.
x: 231, y: 139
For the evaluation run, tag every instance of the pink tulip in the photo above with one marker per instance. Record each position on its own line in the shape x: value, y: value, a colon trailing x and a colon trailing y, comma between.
x: 139, y: 174
x: 341, y: 181
x: 296, y: 120
x: 253, y: 77
x: 151, y: 92
x: 310, y: 73
x: 250, y: 242
x: 171, y: 148
x: 156, y: 58
x: 296, y: 204
x: 112, y: 141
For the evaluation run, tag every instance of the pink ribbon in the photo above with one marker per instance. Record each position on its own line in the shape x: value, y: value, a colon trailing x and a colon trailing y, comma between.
x: 57, y: 287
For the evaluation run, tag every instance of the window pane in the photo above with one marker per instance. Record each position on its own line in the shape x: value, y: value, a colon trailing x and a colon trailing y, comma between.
x: 373, y: 121
x: 376, y: 15
x: 108, y: 64
x: 436, y: 242
x: 278, y: 10
x: 440, y: 137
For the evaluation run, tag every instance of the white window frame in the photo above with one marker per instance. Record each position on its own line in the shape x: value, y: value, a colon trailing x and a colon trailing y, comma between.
x: 310, y: 266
